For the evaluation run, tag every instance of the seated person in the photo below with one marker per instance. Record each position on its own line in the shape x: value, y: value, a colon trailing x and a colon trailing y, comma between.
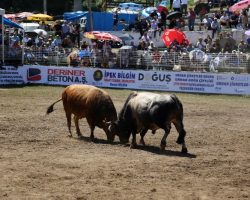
x: 248, y: 42
x: 242, y: 47
x: 67, y: 42
x: 224, y: 20
x: 206, y: 22
x: 200, y: 45
x: 73, y: 59
x: 142, y: 45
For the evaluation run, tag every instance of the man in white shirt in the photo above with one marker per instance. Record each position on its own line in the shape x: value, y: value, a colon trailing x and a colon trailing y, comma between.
x: 177, y: 5
x: 224, y: 20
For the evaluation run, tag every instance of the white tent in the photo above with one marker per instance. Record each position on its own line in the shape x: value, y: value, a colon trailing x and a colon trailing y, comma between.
x: 2, y: 12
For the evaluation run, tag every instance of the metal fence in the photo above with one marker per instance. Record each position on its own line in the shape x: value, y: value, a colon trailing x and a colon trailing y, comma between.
x: 135, y: 59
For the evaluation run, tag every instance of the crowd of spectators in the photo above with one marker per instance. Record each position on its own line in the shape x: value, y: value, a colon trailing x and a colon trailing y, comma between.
x: 66, y: 36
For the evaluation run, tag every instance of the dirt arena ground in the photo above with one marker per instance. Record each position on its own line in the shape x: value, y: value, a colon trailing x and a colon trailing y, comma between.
x: 39, y: 161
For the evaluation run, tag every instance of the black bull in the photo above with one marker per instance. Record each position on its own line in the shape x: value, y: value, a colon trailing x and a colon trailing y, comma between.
x: 145, y: 111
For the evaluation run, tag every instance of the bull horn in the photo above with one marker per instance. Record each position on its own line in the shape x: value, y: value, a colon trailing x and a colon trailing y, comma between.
x: 107, y: 123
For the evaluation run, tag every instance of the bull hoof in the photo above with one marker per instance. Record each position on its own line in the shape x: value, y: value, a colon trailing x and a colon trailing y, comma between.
x: 142, y: 142
x: 133, y: 145
x: 163, y: 145
x: 179, y: 140
x: 92, y: 139
x: 184, y: 150
x: 162, y: 148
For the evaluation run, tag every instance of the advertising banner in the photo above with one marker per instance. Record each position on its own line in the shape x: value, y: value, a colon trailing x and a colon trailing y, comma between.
x: 11, y: 76
x: 189, y: 82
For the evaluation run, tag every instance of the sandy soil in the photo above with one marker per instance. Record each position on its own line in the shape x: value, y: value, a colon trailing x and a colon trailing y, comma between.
x: 39, y: 161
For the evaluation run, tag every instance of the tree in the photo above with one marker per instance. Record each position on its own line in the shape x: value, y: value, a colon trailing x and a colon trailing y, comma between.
x: 77, y: 5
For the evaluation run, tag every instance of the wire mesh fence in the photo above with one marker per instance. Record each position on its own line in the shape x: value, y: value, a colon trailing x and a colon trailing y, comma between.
x: 128, y: 58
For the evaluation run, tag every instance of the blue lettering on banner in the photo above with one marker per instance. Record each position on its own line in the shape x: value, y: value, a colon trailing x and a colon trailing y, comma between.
x: 192, y: 89
x: 67, y: 79
x: 239, y: 84
x: 126, y: 75
x: 222, y: 83
x: 118, y: 85
x: 109, y: 74
x: 180, y: 75
x: 161, y: 77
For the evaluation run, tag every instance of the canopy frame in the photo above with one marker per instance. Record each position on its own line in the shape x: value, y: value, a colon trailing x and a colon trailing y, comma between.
x: 2, y: 12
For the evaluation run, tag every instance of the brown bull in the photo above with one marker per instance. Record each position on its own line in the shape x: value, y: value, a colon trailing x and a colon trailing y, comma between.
x: 87, y: 101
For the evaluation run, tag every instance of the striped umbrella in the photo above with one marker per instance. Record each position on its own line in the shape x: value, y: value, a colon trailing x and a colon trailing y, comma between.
x: 98, y: 35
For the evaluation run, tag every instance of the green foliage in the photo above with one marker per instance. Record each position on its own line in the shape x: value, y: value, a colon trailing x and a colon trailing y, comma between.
x: 54, y: 7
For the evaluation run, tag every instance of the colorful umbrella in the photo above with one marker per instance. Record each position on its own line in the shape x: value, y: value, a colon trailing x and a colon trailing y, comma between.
x: 97, y: 35
x: 240, y: 5
x: 10, y: 16
x: 147, y: 11
x: 24, y: 14
x: 39, y: 17
x: 174, y: 14
x: 171, y: 35
x: 163, y: 6
x: 40, y: 31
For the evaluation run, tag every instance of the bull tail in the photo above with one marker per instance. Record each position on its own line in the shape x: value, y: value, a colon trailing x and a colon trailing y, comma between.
x: 179, y: 105
x: 50, y: 108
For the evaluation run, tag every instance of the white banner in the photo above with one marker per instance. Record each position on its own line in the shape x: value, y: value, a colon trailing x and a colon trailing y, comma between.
x: 190, y: 82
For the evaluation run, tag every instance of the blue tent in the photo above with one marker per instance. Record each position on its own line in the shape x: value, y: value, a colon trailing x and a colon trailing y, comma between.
x: 102, y: 21
x: 74, y: 15
x: 10, y: 23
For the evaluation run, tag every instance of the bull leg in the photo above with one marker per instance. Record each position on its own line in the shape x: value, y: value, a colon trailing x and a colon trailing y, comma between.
x: 92, y: 137
x: 68, y: 116
x: 182, y: 133
x: 92, y: 128
x: 110, y: 136
x: 78, y: 132
x: 133, y: 143
x: 143, y: 133
x: 164, y: 138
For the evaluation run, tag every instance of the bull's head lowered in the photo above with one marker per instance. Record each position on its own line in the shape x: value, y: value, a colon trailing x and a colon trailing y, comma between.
x: 121, y: 129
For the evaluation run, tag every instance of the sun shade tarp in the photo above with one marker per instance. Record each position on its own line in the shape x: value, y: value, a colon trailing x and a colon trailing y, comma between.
x: 10, y: 23
x: 74, y: 15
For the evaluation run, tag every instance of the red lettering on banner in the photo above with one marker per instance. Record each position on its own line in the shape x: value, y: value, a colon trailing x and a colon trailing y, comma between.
x: 50, y: 71
x: 66, y: 72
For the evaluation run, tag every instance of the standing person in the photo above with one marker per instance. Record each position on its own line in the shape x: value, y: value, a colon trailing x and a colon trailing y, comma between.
x: 154, y: 27
x: 163, y: 20
x: 215, y: 26
x: 184, y: 4
x: 58, y: 28
x: 65, y: 29
x: 177, y: 5
x: 115, y: 19
x: 244, y: 18
x: 191, y: 19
